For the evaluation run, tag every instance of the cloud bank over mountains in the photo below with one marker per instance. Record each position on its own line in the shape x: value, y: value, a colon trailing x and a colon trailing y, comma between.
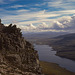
x: 39, y: 15
x: 40, y: 21
x: 64, y: 24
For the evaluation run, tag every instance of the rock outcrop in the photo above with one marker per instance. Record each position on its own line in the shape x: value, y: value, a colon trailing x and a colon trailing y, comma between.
x: 17, y: 56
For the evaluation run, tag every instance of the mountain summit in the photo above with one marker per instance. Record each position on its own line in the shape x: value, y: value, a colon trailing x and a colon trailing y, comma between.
x: 17, y: 56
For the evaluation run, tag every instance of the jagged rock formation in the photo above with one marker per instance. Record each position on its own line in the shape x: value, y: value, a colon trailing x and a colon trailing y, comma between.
x: 17, y: 56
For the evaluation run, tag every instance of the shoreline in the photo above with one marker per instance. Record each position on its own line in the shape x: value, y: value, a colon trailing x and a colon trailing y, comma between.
x: 58, y: 62
x: 57, y: 52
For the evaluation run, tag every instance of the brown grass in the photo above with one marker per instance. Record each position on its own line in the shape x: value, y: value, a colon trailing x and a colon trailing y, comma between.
x: 54, y: 69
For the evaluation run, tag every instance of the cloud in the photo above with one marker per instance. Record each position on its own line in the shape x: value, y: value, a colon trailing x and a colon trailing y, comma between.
x: 70, y: 0
x: 42, y: 4
x: 62, y: 4
x: 6, y: 1
x: 55, y: 3
x: 2, y: 2
x: 57, y: 25
x: 17, y: 6
x: 1, y: 9
x: 43, y: 25
x: 64, y: 24
x: 71, y: 24
x: 34, y: 20
x: 26, y: 16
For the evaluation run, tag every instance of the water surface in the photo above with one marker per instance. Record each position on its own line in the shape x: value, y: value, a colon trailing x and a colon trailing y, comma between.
x: 47, y: 54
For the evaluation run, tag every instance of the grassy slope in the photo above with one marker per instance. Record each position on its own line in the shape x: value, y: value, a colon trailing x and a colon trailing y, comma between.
x: 54, y: 69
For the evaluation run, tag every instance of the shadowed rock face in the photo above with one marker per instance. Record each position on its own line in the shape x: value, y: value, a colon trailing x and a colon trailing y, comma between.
x: 17, y: 56
x: 1, y: 25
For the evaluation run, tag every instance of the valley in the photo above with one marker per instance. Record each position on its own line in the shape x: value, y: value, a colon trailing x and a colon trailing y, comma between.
x: 63, y: 44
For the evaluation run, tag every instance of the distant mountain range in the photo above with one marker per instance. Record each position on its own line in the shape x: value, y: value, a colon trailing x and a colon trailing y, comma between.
x: 33, y: 37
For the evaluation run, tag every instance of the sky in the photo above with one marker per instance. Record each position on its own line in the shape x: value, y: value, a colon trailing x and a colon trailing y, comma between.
x: 39, y: 15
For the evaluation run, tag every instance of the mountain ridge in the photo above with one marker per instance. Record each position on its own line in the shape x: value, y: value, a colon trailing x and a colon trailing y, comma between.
x: 18, y: 56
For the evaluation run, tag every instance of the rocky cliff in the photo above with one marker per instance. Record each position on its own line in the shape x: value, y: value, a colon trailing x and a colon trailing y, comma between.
x: 17, y: 56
